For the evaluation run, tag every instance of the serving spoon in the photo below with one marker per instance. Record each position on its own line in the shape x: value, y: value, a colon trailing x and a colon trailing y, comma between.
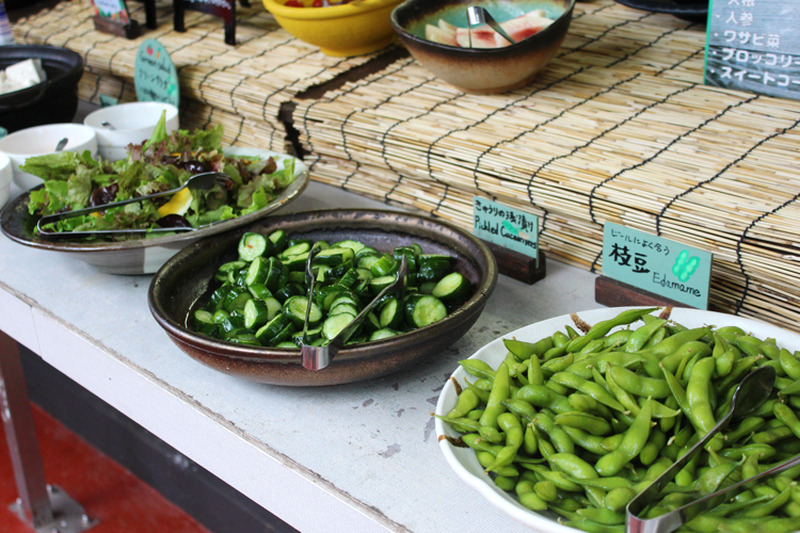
x: 198, y: 182
x: 751, y: 392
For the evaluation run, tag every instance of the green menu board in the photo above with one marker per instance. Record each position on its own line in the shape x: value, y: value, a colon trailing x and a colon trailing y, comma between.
x: 676, y: 271
x: 754, y: 45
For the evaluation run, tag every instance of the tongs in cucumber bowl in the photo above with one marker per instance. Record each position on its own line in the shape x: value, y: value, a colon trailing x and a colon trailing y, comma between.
x: 319, y: 357
x: 202, y: 181
x: 752, y: 391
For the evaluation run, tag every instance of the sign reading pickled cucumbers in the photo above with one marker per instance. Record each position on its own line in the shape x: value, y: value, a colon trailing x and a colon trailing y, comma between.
x: 506, y: 227
x: 673, y: 270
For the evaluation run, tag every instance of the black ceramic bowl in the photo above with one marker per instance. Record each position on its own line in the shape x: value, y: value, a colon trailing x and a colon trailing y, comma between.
x: 52, y: 101
x: 482, y: 70
x: 185, y: 280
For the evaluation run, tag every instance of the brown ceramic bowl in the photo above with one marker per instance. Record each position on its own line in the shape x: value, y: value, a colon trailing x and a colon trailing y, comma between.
x: 186, y: 279
x: 482, y: 70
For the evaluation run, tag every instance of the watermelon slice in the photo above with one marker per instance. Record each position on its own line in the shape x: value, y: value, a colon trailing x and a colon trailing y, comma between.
x: 519, y: 28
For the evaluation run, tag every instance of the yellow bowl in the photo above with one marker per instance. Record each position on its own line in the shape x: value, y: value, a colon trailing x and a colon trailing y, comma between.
x: 343, y: 30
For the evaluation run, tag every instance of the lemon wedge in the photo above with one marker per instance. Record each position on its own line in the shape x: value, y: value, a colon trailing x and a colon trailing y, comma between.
x: 178, y: 204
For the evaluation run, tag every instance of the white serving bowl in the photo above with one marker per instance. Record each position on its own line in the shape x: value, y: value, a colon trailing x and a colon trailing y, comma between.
x: 117, y: 126
x: 6, y: 175
x: 41, y: 140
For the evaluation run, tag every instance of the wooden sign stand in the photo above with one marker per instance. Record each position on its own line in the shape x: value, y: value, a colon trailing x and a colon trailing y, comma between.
x: 111, y: 16
x: 225, y: 9
x: 518, y: 266
x: 613, y: 293
x: 130, y: 30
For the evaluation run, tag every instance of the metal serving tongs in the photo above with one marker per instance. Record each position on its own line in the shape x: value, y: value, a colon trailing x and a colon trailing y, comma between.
x: 202, y: 181
x: 318, y: 357
x: 477, y: 16
x: 749, y: 395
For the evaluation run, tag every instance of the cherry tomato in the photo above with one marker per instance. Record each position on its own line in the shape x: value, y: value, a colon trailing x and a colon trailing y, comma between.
x: 294, y: 3
x: 317, y: 3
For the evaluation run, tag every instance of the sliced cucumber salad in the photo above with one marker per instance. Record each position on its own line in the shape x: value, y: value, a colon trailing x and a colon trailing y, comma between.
x: 262, y: 297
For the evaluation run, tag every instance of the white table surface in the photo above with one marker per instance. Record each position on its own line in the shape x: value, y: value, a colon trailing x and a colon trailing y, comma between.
x: 359, y: 457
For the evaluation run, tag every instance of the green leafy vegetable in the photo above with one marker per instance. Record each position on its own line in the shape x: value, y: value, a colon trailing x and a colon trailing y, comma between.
x: 163, y: 162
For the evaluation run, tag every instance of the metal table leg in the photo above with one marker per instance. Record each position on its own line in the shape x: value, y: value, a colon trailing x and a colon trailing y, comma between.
x: 47, y: 509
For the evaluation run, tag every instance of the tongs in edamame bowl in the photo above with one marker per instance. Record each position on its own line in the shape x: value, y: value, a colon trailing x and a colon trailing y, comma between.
x: 202, y: 181
x: 319, y: 357
x: 752, y: 391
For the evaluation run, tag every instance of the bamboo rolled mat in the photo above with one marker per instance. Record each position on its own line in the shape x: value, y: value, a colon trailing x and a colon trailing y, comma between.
x: 619, y: 127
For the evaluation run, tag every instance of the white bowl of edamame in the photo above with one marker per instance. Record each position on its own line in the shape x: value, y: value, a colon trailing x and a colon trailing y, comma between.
x: 553, y: 509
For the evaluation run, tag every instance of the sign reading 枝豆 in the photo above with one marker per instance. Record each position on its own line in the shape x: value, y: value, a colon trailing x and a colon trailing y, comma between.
x: 154, y: 74
x: 754, y: 45
x: 506, y: 227
x: 676, y: 271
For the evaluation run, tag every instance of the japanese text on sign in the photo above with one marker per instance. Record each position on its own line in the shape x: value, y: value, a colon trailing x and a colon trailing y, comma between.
x: 506, y: 227
x: 678, y: 272
x: 753, y: 45
x: 155, y: 76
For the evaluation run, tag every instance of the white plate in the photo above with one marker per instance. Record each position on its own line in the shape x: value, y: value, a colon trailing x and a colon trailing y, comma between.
x: 463, y: 460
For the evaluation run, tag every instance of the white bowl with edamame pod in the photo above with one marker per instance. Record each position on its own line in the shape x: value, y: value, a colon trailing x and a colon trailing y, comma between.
x: 767, y: 339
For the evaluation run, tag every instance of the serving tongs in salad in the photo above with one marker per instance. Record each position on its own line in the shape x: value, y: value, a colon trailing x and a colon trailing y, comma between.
x: 198, y: 182
x: 319, y: 357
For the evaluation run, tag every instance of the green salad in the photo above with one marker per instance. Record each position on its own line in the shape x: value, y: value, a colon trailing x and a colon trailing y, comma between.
x: 163, y: 162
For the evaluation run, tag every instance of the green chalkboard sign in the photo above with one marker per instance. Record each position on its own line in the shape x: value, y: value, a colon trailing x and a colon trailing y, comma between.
x: 754, y: 46
x: 661, y: 266
x: 154, y: 74
x: 507, y: 227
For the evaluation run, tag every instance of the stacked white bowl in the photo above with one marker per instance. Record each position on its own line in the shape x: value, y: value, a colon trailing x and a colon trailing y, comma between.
x: 119, y: 125
x: 41, y: 140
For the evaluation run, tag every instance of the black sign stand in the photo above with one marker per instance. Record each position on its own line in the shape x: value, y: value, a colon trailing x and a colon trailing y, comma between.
x: 225, y: 9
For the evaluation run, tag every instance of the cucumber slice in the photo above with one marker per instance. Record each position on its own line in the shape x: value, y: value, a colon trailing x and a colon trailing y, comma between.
x: 289, y: 290
x: 334, y: 256
x: 391, y: 314
x: 295, y: 308
x: 349, y: 278
x: 383, y: 333
x: 279, y: 240
x: 376, y: 285
x: 453, y: 289
x: 259, y: 291
x: 252, y: 245
x: 433, y: 267
x: 287, y: 344
x: 385, y: 265
x: 333, y: 325
x: 202, y: 316
x: 367, y: 260
x: 269, y: 332
x: 277, y: 274
x: 256, y: 313
x: 349, y: 243
x: 411, y: 256
x: 424, y: 309
x: 231, y: 266
x: 298, y: 248
x: 257, y: 271
x: 242, y: 337
x: 349, y: 309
